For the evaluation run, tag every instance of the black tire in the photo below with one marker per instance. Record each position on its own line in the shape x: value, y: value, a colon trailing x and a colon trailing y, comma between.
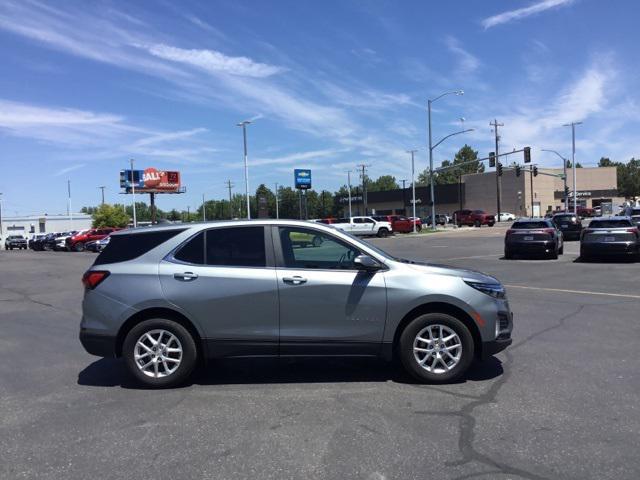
x: 409, y: 360
x: 188, y: 360
x: 418, y: 228
x: 584, y: 257
x: 491, y: 224
x: 507, y: 254
x: 477, y: 224
x: 554, y: 254
x: 78, y: 247
x: 383, y: 232
x: 561, y: 250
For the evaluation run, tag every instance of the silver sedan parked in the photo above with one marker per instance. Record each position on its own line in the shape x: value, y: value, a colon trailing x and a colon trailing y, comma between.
x: 165, y: 297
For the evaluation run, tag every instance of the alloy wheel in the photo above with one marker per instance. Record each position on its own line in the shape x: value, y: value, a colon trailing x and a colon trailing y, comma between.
x: 158, y: 353
x: 437, y: 348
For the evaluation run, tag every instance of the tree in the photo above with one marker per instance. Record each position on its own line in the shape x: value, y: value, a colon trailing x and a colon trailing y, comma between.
x: 110, y: 216
x: 628, y: 176
x: 464, y: 155
x: 578, y: 165
x: 383, y: 183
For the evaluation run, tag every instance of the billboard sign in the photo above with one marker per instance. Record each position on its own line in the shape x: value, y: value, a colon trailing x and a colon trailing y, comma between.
x: 302, y: 178
x: 150, y: 180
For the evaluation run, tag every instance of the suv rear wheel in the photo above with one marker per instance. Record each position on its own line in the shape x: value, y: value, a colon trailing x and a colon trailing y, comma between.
x: 79, y: 247
x: 477, y: 223
x: 383, y: 232
x: 436, y: 348
x: 160, y: 353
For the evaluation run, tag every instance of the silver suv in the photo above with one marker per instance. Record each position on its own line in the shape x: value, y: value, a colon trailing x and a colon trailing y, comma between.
x: 166, y: 297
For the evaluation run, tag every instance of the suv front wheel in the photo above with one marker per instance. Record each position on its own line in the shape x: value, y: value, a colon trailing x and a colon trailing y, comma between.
x: 436, y: 348
x: 383, y: 232
x: 160, y: 353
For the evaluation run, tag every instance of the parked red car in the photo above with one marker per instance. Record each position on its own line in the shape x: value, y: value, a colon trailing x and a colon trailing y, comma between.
x: 476, y: 218
x: 78, y: 241
x: 584, y: 212
x: 399, y: 223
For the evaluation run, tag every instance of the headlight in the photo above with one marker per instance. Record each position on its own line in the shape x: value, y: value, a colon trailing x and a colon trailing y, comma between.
x: 494, y: 290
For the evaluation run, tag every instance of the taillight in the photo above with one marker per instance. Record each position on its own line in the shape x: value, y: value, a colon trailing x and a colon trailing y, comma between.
x: 92, y: 278
x: 550, y: 231
x: 632, y: 230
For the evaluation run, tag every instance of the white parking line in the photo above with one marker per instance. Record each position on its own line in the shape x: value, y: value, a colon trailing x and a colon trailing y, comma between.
x: 475, y: 256
x: 580, y: 292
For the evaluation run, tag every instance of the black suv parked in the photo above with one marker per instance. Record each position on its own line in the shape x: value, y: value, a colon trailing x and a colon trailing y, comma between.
x: 569, y: 224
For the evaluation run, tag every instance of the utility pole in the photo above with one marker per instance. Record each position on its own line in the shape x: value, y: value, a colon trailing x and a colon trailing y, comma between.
x: 246, y: 167
x: 495, y: 126
x: 229, y: 186
x: 413, y: 189
x: 404, y: 200
x: 349, y: 189
x: 133, y: 196
x: 188, y: 214
x: 102, y: 189
x: 364, y: 185
x: 573, y: 164
x: 277, y: 209
x: 204, y: 215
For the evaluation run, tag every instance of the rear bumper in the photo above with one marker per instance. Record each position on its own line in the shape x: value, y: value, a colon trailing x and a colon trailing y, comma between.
x: 609, y: 248
x: 539, y: 246
x: 98, y: 344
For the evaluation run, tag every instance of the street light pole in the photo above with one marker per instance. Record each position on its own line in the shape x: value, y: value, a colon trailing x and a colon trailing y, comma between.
x: 349, y: 189
x: 413, y: 185
x: 133, y: 195
x: 431, y: 147
x: 69, y: 204
x: 204, y: 215
x: 564, y: 169
x: 244, y: 124
x: 277, y: 209
x: 573, y: 164
x: 102, y: 190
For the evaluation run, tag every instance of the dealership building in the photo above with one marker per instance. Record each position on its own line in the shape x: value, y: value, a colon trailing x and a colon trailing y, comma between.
x: 524, y: 195
x: 29, y: 225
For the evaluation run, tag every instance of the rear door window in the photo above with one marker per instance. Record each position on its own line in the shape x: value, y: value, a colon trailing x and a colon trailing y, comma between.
x: 192, y: 251
x: 236, y: 247
x: 122, y: 248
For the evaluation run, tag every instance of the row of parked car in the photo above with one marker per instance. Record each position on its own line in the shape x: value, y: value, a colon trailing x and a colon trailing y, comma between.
x: 94, y: 239
x: 604, y: 236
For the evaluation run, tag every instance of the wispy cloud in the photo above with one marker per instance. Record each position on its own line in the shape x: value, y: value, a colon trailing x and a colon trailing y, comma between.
x: 467, y: 63
x: 69, y: 169
x: 295, y: 157
x: 511, y: 15
x: 215, y: 62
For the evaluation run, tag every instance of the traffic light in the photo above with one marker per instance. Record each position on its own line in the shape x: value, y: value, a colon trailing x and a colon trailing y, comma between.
x: 499, y: 168
x: 492, y: 159
x: 518, y: 170
x: 535, y: 171
x: 527, y: 154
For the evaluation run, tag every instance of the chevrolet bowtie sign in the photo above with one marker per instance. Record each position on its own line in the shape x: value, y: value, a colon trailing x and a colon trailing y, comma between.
x: 302, y: 178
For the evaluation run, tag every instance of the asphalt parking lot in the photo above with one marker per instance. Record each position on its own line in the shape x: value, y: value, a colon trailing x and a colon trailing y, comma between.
x: 561, y: 402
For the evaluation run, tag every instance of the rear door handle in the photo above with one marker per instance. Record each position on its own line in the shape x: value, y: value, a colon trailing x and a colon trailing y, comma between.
x: 185, y: 276
x: 295, y: 280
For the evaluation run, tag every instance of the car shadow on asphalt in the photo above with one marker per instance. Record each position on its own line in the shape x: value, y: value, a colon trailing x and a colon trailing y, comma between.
x: 109, y: 372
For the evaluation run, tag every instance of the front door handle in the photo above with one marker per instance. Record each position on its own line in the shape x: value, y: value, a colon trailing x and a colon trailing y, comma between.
x: 185, y: 276
x: 295, y: 280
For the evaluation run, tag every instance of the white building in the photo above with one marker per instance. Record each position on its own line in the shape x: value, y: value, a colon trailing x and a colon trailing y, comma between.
x: 29, y: 225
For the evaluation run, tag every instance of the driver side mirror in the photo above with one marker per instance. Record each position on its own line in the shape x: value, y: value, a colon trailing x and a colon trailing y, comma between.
x: 365, y: 262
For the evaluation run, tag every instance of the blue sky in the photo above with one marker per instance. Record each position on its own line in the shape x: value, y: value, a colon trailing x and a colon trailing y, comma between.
x: 87, y: 85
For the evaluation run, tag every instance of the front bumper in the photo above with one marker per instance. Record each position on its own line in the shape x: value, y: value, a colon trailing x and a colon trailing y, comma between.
x: 494, y: 346
x: 97, y: 343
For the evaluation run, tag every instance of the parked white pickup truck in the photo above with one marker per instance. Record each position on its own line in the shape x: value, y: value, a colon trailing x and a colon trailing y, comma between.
x: 364, y: 226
